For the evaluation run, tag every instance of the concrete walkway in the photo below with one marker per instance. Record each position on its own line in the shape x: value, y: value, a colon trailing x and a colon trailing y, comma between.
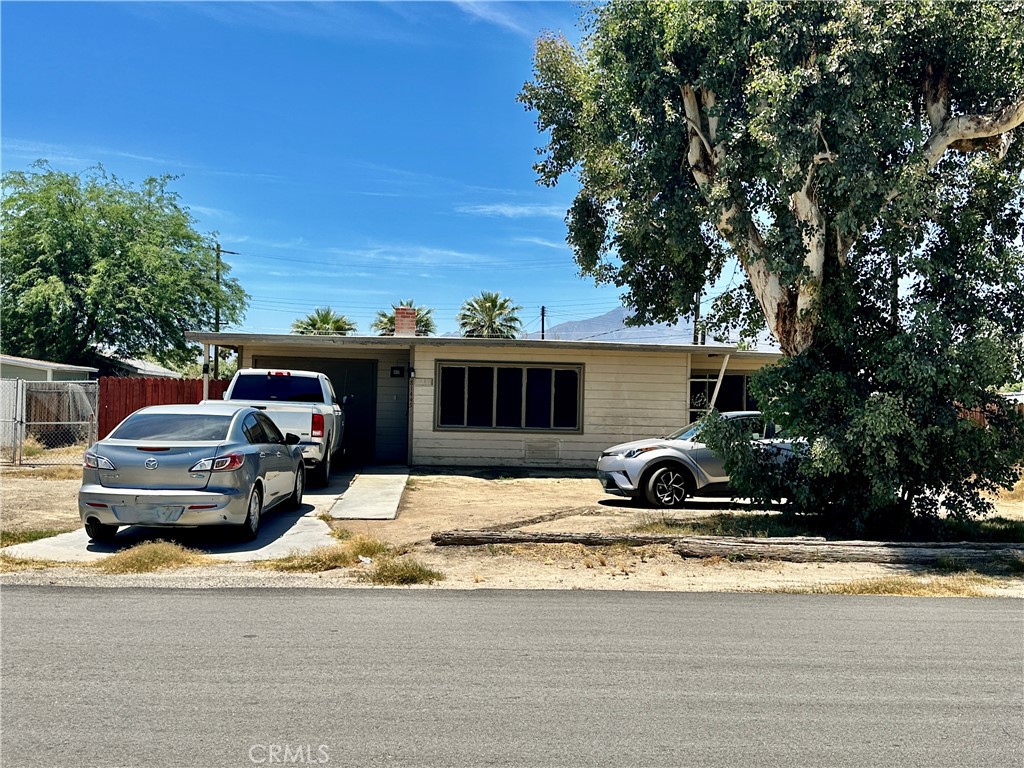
x: 369, y: 494
x: 374, y: 493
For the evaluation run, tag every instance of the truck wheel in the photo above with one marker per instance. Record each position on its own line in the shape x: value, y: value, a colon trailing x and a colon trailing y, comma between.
x: 322, y: 474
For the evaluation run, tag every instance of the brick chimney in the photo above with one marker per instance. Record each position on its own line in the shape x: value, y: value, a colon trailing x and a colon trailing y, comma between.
x: 405, y: 321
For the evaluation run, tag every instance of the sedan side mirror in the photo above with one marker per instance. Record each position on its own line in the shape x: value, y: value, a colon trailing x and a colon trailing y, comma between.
x: 290, y: 438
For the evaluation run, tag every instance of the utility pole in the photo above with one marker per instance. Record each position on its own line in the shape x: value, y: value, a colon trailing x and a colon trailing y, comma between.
x: 543, y: 314
x: 216, y: 312
x: 696, y: 319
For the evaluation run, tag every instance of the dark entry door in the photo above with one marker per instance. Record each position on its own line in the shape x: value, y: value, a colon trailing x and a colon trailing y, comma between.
x: 356, y: 378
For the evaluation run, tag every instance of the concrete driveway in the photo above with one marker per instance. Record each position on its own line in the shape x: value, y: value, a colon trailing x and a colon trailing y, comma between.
x: 282, y: 532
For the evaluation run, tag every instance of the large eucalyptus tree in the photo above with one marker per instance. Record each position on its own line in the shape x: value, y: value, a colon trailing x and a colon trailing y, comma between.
x: 856, y: 164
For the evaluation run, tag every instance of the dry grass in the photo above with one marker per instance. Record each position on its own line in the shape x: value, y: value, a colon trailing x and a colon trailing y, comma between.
x: 342, y: 555
x: 315, y: 561
x: 747, y: 525
x: 387, y: 564
x: 1016, y: 493
x: 10, y: 538
x: 152, y: 556
x: 401, y: 571
x: 60, y: 472
x: 9, y: 564
x: 967, y: 584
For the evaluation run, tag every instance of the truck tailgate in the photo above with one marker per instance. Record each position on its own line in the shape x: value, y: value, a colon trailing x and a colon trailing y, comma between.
x: 289, y: 417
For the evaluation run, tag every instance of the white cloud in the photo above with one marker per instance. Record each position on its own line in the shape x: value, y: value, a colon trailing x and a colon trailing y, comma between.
x: 492, y: 14
x: 512, y: 210
x: 542, y: 242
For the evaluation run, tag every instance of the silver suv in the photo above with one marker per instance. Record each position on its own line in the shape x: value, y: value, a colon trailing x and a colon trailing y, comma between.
x: 664, y: 471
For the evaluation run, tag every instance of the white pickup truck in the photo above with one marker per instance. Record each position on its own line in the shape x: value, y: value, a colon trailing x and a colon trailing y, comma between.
x: 302, y: 402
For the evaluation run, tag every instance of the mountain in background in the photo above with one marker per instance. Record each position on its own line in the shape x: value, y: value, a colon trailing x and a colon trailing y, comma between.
x: 611, y: 326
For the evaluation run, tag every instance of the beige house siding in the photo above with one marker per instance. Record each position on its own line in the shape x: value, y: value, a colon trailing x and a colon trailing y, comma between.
x: 628, y: 392
x: 625, y: 396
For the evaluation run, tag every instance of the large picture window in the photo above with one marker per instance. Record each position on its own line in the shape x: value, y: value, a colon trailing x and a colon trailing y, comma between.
x: 732, y: 396
x: 533, y: 398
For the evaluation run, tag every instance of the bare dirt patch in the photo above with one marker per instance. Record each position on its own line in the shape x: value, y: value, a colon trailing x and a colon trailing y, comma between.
x: 43, y: 498
x: 503, y: 499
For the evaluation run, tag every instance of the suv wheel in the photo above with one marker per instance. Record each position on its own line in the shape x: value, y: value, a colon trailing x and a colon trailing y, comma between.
x: 667, y: 486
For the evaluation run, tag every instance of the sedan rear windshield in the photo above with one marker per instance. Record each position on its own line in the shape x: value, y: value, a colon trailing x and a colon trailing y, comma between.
x: 173, y: 426
x: 296, y: 389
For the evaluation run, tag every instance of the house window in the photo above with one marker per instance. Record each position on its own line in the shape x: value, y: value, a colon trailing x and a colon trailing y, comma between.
x: 732, y: 396
x: 532, y: 398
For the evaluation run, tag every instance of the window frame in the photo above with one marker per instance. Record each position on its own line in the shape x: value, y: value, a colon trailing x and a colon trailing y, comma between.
x: 577, y: 368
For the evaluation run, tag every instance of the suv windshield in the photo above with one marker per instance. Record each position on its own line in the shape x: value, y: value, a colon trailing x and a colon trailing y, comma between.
x: 296, y: 389
x: 690, y: 432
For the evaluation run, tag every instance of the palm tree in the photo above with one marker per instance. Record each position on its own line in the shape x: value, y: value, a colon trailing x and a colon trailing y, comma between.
x: 385, y: 321
x: 323, y: 321
x: 491, y: 316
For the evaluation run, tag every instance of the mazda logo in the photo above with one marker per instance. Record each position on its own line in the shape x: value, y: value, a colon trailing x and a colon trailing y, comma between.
x: 152, y: 463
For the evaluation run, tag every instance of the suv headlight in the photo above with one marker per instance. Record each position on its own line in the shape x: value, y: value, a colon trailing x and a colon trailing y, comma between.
x: 632, y: 454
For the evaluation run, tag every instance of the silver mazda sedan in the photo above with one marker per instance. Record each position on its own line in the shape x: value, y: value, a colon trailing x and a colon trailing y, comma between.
x: 189, y: 466
x: 664, y: 471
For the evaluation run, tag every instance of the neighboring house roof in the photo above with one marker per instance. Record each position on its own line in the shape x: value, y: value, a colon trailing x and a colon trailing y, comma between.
x: 147, y: 369
x: 45, y: 365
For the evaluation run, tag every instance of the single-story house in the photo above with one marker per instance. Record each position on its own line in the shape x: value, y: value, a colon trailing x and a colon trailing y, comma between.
x: 431, y: 400
x: 28, y: 369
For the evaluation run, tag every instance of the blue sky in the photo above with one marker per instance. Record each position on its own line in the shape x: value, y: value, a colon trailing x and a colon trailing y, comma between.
x: 354, y: 154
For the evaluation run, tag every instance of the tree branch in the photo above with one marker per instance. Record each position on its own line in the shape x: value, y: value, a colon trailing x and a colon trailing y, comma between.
x: 965, y: 130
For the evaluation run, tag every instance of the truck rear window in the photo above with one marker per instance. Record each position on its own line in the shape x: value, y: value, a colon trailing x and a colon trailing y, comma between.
x: 296, y: 389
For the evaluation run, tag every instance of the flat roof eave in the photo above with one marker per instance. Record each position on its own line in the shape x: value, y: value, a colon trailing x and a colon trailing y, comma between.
x: 407, y: 342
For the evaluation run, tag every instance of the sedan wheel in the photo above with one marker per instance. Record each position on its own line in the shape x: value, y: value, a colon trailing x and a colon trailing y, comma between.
x: 300, y: 482
x: 99, y: 532
x: 251, y: 526
x: 666, y: 487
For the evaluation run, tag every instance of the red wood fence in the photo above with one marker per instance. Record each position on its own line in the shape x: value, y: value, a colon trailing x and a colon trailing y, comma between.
x: 978, y: 416
x: 120, y: 396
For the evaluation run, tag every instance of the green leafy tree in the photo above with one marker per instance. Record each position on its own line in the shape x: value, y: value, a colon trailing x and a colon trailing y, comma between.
x: 384, y: 322
x: 856, y: 162
x: 490, y: 315
x: 90, y: 261
x: 323, y: 321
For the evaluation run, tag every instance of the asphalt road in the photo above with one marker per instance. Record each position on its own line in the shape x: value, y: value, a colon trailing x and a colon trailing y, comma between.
x: 223, y: 678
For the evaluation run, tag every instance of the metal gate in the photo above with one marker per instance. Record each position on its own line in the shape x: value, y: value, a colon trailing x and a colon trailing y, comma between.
x: 47, y: 422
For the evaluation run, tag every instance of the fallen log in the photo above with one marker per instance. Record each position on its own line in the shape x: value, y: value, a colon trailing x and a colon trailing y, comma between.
x: 477, y: 537
x: 847, y: 552
x: 794, y: 549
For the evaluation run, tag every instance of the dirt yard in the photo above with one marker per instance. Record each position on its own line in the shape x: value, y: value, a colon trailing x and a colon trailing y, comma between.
x: 503, y: 500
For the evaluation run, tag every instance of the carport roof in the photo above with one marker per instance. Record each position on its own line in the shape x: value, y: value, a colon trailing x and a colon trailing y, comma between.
x: 407, y: 342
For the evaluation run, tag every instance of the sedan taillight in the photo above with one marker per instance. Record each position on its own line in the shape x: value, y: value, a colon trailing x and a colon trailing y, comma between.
x: 227, y: 463
x: 94, y: 461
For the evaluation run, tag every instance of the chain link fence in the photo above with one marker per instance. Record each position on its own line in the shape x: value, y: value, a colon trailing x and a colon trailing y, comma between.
x: 47, y: 422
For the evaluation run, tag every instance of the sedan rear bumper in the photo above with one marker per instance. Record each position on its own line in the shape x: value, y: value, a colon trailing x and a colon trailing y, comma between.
x: 175, y: 508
